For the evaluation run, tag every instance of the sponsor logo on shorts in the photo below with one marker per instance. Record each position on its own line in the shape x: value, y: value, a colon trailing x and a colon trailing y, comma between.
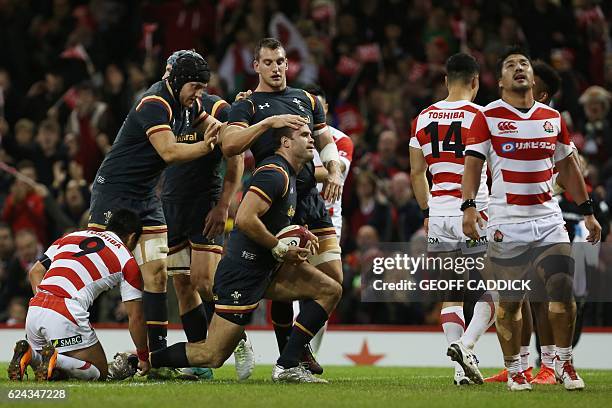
x: 236, y: 295
x: 107, y: 216
x: 68, y: 341
x: 291, y: 211
x: 249, y: 256
x: 473, y: 243
x: 433, y: 240
x: 498, y: 236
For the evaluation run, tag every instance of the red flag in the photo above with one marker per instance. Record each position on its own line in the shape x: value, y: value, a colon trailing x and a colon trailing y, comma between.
x: 75, y: 52
x: 147, y: 35
x: 369, y: 52
x: 293, y: 69
x: 347, y: 66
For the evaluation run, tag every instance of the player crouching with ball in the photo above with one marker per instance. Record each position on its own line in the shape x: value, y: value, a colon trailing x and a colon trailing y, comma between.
x: 260, y: 265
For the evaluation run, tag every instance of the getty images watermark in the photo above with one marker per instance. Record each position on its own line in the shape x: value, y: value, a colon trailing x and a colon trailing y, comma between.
x: 402, y: 272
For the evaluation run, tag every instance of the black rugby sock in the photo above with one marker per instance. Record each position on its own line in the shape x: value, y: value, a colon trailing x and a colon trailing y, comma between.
x: 195, y: 324
x: 173, y: 356
x: 281, y: 314
x: 310, y: 320
x: 155, y: 307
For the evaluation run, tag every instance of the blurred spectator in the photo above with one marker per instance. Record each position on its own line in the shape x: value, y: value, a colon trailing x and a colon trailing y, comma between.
x: 21, y: 145
x: 14, y: 278
x: 90, y: 121
x: 407, y: 216
x: 383, y: 162
x: 369, y: 208
x: 17, y: 311
x: 596, y: 127
x: 48, y: 151
x: 24, y: 208
x: 7, y: 245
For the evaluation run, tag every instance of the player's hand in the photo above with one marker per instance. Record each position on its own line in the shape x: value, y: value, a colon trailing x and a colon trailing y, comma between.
x: 243, y: 95
x: 215, y: 221
x: 471, y: 221
x: 211, y: 136
x: 143, y: 367
x: 296, y: 255
x: 426, y: 225
x: 292, y: 121
x: 332, y: 185
x: 591, y: 224
x: 313, y: 243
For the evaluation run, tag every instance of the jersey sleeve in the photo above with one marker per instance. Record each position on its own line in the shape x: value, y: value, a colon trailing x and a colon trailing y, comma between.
x: 269, y: 182
x: 318, y: 113
x: 563, y: 147
x: 241, y: 113
x: 131, y: 281
x: 46, y: 258
x: 345, y: 150
x: 154, y: 114
x: 478, y: 141
x: 317, y: 159
x: 199, y: 113
x: 414, y: 141
x: 220, y: 111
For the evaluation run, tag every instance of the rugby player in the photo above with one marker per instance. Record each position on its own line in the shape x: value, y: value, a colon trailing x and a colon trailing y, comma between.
x: 437, y: 145
x: 272, y: 105
x: 145, y: 144
x: 547, y: 83
x: 68, y: 278
x: 522, y: 140
x: 345, y: 150
x: 196, y: 200
x: 257, y: 265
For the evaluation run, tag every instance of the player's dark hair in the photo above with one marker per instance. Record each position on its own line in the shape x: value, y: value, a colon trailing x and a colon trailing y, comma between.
x: 461, y: 67
x: 279, y: 133
x: 315, y: 90
x: 188, y: 68
x: 270, y: 43
x: 511, y: 50
x: 548, y: 75
x: 123, y: 223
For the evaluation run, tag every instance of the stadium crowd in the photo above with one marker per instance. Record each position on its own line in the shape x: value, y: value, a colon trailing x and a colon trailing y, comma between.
x: 71, y: 70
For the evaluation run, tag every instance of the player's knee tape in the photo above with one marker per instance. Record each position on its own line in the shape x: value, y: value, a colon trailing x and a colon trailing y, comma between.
x: 179, y: 262
x: 151, y: 250
x: 329, y: 250
x: 557, y: 274
x: 331, y: 254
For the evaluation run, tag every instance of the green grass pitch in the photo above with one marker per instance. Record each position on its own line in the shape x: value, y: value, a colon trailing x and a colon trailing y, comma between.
x: 349, y: 387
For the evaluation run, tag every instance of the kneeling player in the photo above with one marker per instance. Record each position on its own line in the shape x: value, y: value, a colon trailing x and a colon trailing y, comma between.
x: 250, y: 271
x: 73, y: 272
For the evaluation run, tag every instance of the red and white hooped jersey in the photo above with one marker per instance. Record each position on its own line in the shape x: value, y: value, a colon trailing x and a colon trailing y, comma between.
x: 86, y: 263
x: 440, y: 131
x: 345, y: 150
x: 521, y: 149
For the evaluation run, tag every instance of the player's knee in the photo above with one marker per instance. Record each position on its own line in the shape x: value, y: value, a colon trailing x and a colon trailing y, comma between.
x: 557, y: 273
x: 155, y: 275
x: 182, y: 286
x: 332, y: 291
x: 562, y: 307
x: 203, y: 284
x: 509, y: 310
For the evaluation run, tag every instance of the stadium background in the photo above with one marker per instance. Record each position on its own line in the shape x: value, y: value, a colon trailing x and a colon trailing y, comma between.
x: 70, y: 71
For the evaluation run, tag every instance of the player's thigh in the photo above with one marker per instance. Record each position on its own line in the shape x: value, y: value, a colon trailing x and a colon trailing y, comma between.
x: 554, y: 266
x: 300, y: 282
x: 203, y: 267
x: 94, y: 355
x: 151, y: 254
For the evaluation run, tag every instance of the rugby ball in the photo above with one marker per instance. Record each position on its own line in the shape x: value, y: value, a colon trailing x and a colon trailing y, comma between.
x: 295, y: 235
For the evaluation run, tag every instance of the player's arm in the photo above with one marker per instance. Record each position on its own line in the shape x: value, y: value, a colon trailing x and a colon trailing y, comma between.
x: 131, y: 294
x: 36, y: 274
x: 328, y: 151
x: 166, y: 146
x: 248, y: 220
x: 570, y: 176
x: 217, y: 216
x: 418, y: 177
x: 478, y: 143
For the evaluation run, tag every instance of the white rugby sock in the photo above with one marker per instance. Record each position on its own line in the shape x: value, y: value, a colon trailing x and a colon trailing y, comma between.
x: 316, y: 341
x: 75, y: 368
x: 513, y: 364
x: 524, y: 358
x: 484, y: 317
x: 547, y: 355
x: 564, y: 353
x: 453, y: 324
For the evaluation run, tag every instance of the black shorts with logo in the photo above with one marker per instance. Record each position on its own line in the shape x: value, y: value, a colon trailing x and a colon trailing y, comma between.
x: 186, y: 222
x: 238, y: 288
x: 149, y: 210
x: 311, y: 211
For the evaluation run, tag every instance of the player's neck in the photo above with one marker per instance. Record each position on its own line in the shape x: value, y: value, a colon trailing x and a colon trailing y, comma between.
x: 523, y: 100
x: 263, y: 87
x: 293, y: 162
x: 455, y: 95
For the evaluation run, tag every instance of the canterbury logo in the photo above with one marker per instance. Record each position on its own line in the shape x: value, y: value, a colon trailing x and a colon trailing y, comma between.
x: 506, y: 126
